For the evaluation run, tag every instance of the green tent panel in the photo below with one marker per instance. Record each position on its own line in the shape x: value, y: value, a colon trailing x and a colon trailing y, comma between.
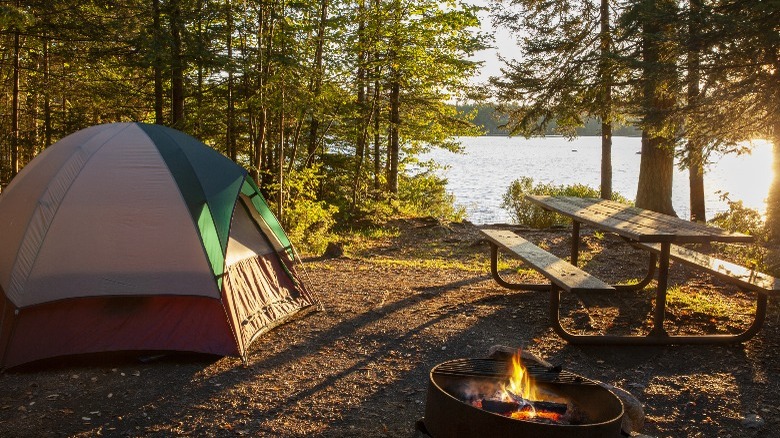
x: 267, y: 220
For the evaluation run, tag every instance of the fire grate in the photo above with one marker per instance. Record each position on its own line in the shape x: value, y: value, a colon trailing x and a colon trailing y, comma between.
x: 500, y: 368
x: 448, y: 415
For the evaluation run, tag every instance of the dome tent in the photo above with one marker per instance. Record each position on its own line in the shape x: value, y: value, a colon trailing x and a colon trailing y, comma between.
x: 130, y: 236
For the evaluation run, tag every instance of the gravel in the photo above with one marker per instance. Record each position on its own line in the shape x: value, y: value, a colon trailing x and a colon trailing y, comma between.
x: 392, y: 312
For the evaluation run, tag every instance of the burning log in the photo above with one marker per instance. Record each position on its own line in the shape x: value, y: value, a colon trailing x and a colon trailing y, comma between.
x: 505, y: 407
x: 499, y: 407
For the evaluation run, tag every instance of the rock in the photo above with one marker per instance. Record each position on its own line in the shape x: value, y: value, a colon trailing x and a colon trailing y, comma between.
x: 634, y: 417
x: 753, y: 421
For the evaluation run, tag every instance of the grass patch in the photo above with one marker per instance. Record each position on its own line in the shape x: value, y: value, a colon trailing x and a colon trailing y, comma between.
x: 362, y: 240
x: 709, y: 304
x: 428, y: 264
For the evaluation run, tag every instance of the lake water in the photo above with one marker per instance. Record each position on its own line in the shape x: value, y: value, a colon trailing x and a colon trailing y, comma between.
x: 481, y: 175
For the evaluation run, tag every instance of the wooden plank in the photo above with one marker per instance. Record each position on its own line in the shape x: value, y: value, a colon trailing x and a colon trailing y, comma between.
x: 743, y: 277
x: 563, y: 274
x: 635, y: 223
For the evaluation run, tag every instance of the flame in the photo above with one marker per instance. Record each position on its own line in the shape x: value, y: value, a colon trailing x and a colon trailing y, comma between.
x: 521, y: 392
x: 522, y: 389
x: 520, y: 382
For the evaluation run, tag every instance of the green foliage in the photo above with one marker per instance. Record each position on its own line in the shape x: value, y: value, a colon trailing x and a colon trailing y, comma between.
x: 307, y: 221
x: 424, y: 194
x: 526, y: 213
x: 419, y: 195
x: 741, y: 219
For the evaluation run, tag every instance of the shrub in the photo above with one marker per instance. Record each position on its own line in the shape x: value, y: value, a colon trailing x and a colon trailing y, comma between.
x: 307, y: 221
x: 524, y: 212
x: 425, y: 194
x: 741, y: 219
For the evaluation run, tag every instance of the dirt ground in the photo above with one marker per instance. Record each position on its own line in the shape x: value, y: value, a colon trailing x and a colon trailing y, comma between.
x: 393, y: 310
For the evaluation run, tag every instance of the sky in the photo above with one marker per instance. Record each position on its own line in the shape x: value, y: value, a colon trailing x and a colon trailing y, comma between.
x: 504, y: 45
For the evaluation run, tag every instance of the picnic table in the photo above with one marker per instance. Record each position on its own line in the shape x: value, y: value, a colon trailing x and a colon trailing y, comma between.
x: 657, y: 233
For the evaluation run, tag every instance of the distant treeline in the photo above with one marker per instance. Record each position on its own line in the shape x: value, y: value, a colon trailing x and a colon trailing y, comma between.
x: 491, y: 122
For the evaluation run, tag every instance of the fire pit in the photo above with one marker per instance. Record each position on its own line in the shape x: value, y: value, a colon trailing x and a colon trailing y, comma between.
x: 489, y: 397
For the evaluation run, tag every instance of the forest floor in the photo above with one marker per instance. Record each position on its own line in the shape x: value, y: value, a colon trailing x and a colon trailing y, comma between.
x: 414, y: 294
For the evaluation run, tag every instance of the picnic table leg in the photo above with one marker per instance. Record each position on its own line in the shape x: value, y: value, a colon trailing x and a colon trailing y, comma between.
x: 575, y: 242
x: 645, y: 281
x: 555, y: 302
x: 513, y: 286
x: 575, y: 255
x: 660, y: 295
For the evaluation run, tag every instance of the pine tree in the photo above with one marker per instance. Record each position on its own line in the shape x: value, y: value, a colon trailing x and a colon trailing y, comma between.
x: 658, y: 90
x: 566, y: 73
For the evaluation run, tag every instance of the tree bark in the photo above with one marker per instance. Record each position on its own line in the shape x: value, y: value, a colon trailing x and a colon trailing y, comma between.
x: 157, y: 66
x: 177, y: 66
x: 377, y: 136
x: 394, y: 147
x: 694, y: 146
x: 197, y: 127
x: 15, y: 104
x: 377, y: 123
x: 605, y: 42
x: 262, y: 69
x: 47, y: 132
x: 281, y: 159
x: 656, y: 167
x: 360, y: 141
x: 230, y: 137
x: 316, y: 88
x: 773, y: 200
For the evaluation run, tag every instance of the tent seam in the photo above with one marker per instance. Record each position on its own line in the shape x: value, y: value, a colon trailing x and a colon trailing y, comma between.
x: 200, y: 184
x: 184, y: 201
x: 208, y: 206
x: 54, y: 214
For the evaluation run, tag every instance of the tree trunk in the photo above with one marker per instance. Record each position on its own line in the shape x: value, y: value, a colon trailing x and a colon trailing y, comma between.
x: 606, y: 160
x: 157, y: 66
x: 655, y: 175
x: 177, y: 66
x: 15, y: 105
x: 197, y: 127
x: 260, y: 124
x: 47, y: 134
x: 773, y: 200
x: 259, y: 146
x: 377, y: 137
x: 316, y: 88
x: 694, y: 146
x: 605, y: 77
x: 394, y: 147
x: 230, y: 138
x: 696, y: 181
x: 377, y: 110
x: 656, y: 167
x: 360, y: 141
x: 281, y: 159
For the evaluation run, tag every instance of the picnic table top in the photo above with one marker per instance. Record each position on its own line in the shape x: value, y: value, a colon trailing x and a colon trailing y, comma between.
x: 635, y: 223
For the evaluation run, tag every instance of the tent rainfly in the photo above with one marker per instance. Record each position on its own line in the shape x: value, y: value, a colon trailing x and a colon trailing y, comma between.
x: 129, y: 236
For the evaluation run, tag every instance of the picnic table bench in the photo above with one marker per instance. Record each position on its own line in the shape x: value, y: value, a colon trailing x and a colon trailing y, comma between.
x: 657, y: 233
x: 560, y: 273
